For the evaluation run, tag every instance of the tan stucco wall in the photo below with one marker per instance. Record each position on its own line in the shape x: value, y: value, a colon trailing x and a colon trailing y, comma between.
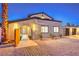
x: 11, y: 28
x: 77, y: 31
x: 50, y: 25
x: 11, y: 31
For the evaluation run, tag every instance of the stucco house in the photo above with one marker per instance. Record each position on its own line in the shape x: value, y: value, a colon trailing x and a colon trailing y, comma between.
x: 70, y: 30
x: 35, y: 25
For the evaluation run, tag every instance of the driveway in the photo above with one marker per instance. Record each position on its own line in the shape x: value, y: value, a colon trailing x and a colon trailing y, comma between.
x: 61, y: 47
x: 49, y: 47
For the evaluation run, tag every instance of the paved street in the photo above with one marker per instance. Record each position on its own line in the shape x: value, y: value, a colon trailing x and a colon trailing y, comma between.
x: 58, y: 47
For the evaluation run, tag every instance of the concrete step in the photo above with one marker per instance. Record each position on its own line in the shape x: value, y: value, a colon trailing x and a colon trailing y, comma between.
x: 6, y: 45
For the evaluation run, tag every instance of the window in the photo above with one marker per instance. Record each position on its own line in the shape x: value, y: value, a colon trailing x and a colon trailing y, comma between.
x: 56, y: 29
x: 44, y: 29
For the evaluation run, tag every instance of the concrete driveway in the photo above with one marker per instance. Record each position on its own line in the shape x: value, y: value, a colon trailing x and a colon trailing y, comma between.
x: 49, y: 47
x: 61, y: 47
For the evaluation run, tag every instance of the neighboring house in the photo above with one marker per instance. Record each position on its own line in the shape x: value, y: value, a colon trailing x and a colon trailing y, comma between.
x: 70, y: 30
x: 35, y: 25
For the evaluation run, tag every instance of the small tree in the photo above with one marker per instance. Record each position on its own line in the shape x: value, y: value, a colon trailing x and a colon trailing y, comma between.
x: 68, y: 24
x: 73, y: 24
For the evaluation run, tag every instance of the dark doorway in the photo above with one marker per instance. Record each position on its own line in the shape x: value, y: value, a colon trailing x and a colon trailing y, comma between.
x: 74, y: 31
x: 67, y: 32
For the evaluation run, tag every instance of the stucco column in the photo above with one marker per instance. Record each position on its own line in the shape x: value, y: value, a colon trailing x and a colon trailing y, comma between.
x: 77, y: 31
x: 70, y: 31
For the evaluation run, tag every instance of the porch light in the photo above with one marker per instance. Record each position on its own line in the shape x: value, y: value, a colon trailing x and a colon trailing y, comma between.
x: 16, y: 26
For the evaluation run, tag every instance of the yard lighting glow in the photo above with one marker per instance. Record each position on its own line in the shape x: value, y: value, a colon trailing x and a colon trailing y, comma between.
x: 28, y: 28
x: 16, y: 26
x: 24, y: 27
x: 33, y: 26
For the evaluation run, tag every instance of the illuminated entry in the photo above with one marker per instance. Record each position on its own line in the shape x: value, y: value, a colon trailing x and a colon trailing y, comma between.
x: 24, y: 34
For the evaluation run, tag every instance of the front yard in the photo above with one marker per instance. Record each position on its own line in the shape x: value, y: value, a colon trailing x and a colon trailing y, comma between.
x: 59, y: 47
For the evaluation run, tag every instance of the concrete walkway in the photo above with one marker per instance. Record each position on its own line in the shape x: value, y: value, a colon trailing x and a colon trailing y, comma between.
x: 26, y: 43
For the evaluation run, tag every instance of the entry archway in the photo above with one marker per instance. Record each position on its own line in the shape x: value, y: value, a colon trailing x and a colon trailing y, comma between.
x: 24, y: 32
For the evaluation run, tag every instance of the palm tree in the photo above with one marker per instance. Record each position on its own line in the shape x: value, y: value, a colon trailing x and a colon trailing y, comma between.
x: 4, y: 21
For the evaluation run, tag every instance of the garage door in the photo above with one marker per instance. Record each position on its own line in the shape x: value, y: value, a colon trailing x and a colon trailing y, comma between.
x: 67, y: 32
x: 74, y: 31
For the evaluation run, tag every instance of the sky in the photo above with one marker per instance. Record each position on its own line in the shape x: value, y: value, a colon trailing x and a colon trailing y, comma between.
x: 67, y: 13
